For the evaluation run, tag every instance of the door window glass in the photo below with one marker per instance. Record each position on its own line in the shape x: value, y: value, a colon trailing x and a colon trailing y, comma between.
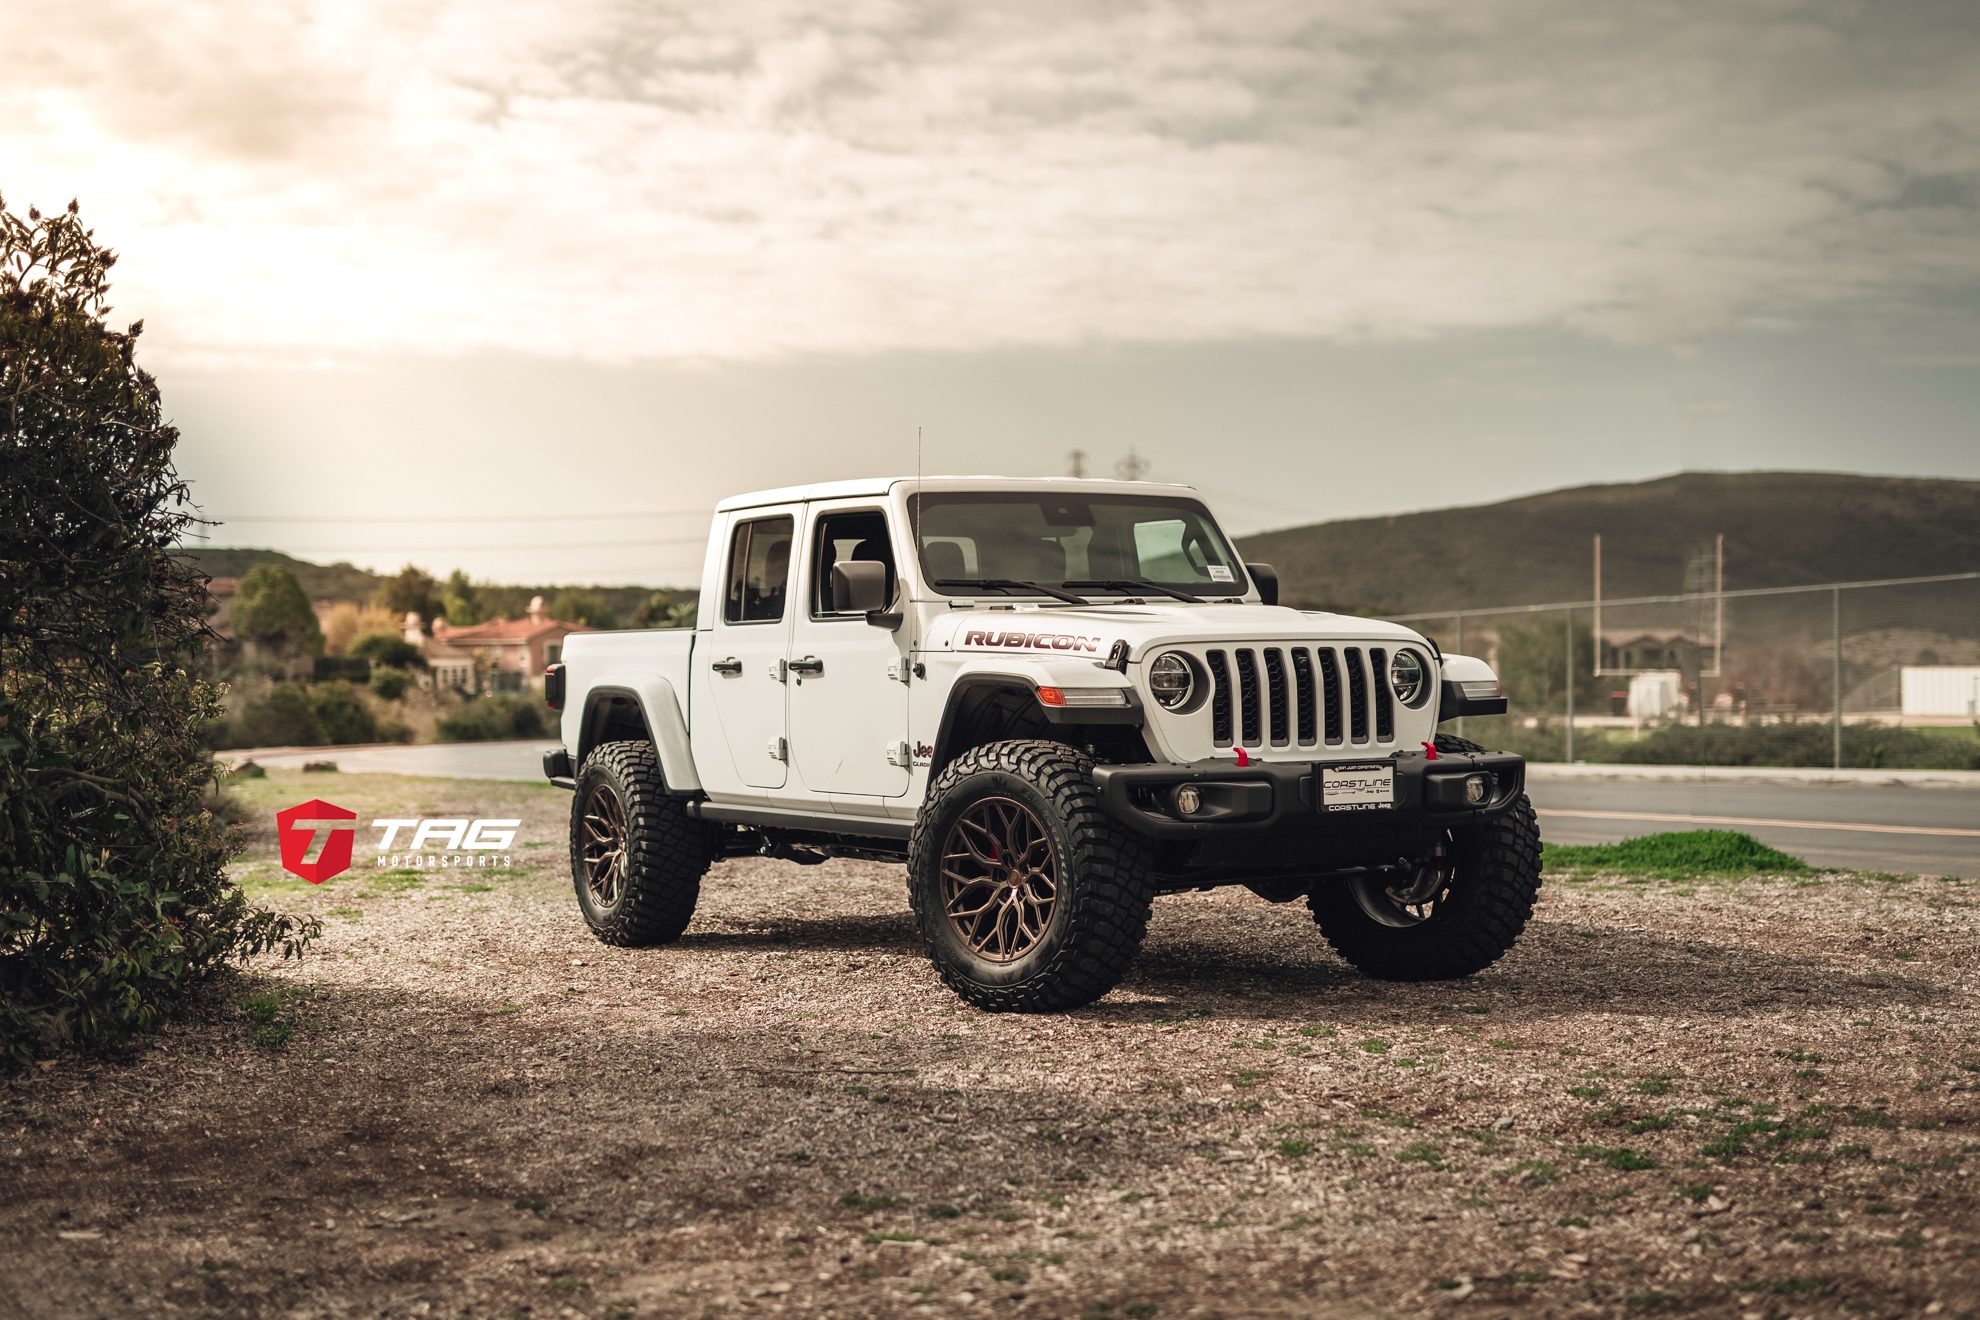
x: 759, y: 569
x: 860, y: 537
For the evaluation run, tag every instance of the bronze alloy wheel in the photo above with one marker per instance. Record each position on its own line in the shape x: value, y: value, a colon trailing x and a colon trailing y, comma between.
x: 1415, y: 900
x: 604, y: 845
x: 999, y: 879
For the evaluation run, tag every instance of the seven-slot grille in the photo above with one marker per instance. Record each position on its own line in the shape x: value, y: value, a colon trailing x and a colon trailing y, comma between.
x: 1299, y: 696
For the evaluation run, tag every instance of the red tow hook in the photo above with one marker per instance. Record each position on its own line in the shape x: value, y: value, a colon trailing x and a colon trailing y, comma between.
x: 1429, y: 751
x: 1243, y: 760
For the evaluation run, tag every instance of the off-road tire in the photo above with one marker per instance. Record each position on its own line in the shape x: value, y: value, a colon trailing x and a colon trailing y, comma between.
x: 1103, y: 871
x: 666, y: 850
x: 1488, y: 905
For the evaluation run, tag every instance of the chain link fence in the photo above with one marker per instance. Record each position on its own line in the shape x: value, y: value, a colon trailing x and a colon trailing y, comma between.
x: 1882, y: 674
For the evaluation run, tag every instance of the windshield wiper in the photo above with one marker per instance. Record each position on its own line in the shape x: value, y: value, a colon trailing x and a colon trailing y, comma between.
x: 1136, y: 584
x: 1009, y: 584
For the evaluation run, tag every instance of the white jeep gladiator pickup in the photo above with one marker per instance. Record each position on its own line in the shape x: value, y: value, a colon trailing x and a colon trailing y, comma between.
x: 1053, y: 700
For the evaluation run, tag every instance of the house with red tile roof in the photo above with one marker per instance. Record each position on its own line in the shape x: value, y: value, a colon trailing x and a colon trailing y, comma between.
x: 510, y: 655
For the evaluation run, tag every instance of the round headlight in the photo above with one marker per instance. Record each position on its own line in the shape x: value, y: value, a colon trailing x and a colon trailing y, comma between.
x: 1406, y: 678
x: 1172, y: 680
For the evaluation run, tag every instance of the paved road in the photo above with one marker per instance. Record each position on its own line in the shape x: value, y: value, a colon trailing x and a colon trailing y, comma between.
x: 490, y: 760
x: 1897, y: 827
x: 1931, y: 827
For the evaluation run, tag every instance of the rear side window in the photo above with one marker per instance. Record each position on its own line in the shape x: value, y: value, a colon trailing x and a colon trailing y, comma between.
x: 759, y: 570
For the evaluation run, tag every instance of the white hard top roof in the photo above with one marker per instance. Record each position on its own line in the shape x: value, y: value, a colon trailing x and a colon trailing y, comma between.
x: 876, y: 486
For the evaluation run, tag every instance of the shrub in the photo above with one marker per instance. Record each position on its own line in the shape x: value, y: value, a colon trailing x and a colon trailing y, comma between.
x: 342, y: 714
x: 577, y: 605
x: 270, y: 608
x: 389, y: 682
x: 409, y: 591
x: 1684, y: 853
x: 114, y: 897
x: 388, y: 649
x: 283, y: 716
x: 489, y: 718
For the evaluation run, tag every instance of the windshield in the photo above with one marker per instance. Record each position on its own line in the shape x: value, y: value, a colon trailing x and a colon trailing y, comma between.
x: 1096, y: 544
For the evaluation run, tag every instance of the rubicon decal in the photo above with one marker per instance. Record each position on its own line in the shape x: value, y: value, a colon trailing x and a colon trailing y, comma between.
x: 316, y: 839
x: 1031, y: 641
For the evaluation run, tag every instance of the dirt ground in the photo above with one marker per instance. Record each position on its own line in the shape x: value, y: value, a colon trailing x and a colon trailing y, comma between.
x: 1751, y: 1099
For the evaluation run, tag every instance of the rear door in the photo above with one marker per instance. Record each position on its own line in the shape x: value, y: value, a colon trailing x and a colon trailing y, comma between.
x: 849, y: 707
x: 741, y: 666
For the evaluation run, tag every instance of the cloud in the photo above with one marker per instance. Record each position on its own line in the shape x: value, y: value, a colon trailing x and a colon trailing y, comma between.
x: 677, y: 181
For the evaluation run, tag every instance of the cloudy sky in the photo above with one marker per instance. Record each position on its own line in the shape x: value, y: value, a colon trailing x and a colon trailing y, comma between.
x: 526, y: 284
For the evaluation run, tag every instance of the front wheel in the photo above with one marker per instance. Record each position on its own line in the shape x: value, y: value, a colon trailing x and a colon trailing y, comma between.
x: 1028, y: 896
x: 1463, y: 907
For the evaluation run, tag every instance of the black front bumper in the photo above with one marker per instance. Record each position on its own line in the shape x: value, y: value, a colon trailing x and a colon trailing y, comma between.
x: 1429, y: 793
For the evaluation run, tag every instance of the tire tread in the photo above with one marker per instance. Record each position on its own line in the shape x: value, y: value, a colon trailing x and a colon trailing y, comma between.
x: 667, y: 850
x: 1111, y: 900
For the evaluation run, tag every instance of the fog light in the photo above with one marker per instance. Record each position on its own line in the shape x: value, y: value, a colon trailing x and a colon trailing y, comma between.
x: 1475, y: 787
x: 1188, y: 800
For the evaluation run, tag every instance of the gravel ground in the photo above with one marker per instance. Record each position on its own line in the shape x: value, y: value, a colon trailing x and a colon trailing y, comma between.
x: 1751, y: 1099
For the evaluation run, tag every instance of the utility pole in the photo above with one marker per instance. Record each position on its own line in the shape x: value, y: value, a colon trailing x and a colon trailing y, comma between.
x: 1598, y: 604
x: 1570, y: 687
x: 1076, y: 464
x: 1460, y: 651
x: 1835, y: 625
x: 1132, y: 468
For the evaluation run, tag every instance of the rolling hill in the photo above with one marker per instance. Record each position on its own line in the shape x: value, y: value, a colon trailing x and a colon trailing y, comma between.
x: 1781, y: 529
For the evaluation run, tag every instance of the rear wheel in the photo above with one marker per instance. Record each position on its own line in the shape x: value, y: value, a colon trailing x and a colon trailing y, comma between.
x: 636, y: 857
x: 1463, y: 906
x: 1028, y: 896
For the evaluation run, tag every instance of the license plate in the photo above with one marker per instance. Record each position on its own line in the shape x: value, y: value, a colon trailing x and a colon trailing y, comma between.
x: 1358, y: 787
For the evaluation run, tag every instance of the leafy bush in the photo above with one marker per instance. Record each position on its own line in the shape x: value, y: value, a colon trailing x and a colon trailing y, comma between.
x: 1872, y: 746
x: 114, y: 896
x: 388, y: 649
x: 283, y: 716
x: 409, y: 591
x: 577, y: 605
x: 1808, y: 743
x: 489, y: 718
x: 663, y: 609
x: 1686, y: 853
x: 342, y: 714
x: 270, y: 608
x: 389, y: 682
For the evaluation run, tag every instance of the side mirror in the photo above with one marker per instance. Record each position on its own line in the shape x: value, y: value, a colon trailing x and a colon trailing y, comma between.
x: 1267, y: 580
x: 859, y: 586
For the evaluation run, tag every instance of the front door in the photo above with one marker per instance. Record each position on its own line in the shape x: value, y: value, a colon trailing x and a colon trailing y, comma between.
x: 849, y: 707
x: 742, y: 669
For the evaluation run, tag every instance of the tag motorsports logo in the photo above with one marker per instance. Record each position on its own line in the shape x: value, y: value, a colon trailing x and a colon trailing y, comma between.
x: 317, y: 838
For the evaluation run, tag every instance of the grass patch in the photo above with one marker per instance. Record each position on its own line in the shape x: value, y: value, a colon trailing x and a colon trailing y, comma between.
x: 1616, y: 1157
x: 1725, y: 854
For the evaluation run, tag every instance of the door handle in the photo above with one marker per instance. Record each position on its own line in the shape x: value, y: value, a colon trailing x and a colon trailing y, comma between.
x: 811, y: 664
x: 729, y: 666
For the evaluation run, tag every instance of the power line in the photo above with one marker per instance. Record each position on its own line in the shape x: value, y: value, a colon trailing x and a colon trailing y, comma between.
x: 530, y: 547
x: 451, y: 518
x: 1688, y: 597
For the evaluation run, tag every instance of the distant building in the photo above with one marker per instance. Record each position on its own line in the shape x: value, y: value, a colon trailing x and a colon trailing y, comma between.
x: 447, y: 666
x: 510, y: 655
x: 1940, y: 690
x: 1654, y: 694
